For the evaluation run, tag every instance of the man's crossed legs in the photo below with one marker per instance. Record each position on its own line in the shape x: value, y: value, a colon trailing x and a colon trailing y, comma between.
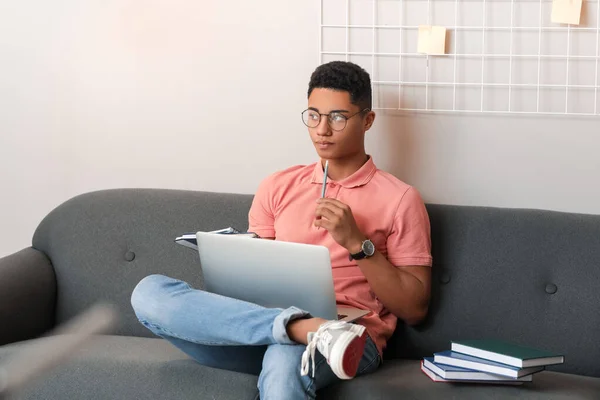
x: 276, y: 344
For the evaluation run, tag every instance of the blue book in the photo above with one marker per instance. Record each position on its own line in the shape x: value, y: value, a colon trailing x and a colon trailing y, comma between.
x: 189, y: 239
x: 449, y: 372
x: 436, y: 378
x: 479, y: 364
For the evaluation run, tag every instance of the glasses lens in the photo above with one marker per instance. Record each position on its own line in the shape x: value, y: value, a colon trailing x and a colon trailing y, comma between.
x: 337, y: 121
x: 311, y: 118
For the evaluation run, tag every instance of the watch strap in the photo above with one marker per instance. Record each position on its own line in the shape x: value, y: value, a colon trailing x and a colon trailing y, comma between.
x: 358, y: 256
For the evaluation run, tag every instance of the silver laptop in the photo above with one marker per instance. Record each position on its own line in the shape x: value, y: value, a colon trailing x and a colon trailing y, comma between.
x: 272, y: 273
x: 33, y: 360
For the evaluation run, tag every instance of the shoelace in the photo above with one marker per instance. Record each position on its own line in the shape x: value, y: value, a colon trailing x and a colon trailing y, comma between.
x: 321, y: 334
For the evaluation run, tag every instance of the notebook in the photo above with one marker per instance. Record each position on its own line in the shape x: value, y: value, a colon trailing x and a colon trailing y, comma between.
x: 465, y: 361
x: 451, y: 372
x: 507, y: 353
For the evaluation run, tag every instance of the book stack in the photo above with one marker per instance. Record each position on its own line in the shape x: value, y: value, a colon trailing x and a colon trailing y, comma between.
x: 488, y: 361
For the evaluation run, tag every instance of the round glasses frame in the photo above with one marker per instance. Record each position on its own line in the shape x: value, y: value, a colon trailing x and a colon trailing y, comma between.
x: 330, y: 119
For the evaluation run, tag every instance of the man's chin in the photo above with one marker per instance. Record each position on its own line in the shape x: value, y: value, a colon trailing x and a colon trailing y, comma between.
x: 325, y: 153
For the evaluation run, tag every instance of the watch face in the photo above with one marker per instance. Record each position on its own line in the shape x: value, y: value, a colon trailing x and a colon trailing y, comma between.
x: 368, y: 247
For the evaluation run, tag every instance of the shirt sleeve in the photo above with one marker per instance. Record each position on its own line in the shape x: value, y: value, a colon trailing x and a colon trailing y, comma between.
x: 261, y: 218
x: 410, y: 240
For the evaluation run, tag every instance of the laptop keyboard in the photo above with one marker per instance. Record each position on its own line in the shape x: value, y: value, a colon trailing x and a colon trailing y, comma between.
x: 341, y: 316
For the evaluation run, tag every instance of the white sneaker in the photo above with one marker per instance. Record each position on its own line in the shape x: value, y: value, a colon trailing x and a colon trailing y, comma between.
x: 342, y: 344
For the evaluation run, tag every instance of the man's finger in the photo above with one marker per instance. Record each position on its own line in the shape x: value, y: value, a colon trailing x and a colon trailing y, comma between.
x: 332, y: 207
x: 324, y: 223
x: 326, y: 212
x: 334, y: 204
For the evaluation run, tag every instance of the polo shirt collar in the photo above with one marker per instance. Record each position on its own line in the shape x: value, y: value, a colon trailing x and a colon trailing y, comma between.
x: 359, y: 178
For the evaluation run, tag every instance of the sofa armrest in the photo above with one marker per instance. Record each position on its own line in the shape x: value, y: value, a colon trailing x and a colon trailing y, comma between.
x: 27, y: 295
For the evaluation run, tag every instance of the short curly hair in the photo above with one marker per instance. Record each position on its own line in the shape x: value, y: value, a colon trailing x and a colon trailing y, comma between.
x: 343, y: 76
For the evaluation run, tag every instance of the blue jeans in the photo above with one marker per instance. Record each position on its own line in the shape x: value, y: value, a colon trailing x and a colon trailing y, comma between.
x: 231, y: 334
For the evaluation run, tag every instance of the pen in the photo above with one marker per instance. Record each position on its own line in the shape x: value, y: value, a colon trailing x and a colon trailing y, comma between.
x: 325, y: 178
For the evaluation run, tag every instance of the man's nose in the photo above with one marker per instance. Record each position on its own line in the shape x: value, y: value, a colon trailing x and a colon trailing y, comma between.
x: 323, y: 129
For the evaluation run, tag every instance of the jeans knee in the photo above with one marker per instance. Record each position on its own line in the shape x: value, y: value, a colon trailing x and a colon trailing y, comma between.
x: 145, y: 294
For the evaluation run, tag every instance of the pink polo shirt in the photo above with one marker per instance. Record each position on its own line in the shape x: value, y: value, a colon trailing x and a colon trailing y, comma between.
x: 387, y: 210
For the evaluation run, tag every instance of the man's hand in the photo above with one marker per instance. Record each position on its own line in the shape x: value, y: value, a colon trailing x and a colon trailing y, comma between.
x: 337, y: 218
x: 403, y: 290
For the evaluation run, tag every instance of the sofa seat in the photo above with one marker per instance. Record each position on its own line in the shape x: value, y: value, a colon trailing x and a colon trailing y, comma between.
x: 403, y: 379
x: 121, y: 367
x: 157, y: 370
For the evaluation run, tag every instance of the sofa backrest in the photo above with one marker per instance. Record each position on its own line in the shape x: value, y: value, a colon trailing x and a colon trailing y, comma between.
x: 103, y: 243
x: 528, y: 276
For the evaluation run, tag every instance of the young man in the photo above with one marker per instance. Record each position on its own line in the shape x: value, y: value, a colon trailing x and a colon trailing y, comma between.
x: 377, y: 231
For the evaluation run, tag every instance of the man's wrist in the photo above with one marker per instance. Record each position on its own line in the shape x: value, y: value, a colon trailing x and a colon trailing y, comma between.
x: 355, y: 245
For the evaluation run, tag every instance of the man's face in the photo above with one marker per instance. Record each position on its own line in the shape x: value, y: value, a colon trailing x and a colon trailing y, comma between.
x: 337, y: 144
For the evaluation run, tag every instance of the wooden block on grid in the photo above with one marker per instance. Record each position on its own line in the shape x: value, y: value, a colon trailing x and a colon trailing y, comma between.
x: 432, y: 39
x: 566, y: 11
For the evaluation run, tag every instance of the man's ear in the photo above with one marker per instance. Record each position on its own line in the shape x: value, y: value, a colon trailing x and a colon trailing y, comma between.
x: 369, y: 119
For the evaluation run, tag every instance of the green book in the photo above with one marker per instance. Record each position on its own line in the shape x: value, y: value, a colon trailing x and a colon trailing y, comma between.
x: 507, y: 353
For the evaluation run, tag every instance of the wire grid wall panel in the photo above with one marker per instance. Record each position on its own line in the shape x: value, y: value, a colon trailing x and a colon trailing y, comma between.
x: 503, y: 56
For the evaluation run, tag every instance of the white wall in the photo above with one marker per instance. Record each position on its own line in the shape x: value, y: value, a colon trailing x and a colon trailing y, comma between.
x: 131, y: 93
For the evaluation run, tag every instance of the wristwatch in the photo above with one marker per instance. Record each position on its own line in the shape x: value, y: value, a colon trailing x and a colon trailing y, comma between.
x: 366, y: 251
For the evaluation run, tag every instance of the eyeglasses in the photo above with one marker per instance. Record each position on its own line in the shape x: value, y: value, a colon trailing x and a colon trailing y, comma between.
x: 337, y: 121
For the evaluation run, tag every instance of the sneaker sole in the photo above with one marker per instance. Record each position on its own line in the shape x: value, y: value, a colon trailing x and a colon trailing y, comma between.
x: 352, y: 347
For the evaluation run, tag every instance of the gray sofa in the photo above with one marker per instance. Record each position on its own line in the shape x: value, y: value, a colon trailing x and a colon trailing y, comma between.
x: 524, y: 275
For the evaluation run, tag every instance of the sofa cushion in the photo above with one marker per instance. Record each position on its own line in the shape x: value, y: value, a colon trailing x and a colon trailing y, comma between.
x: 103, y: 243
x: 403, y: 379
x: 120, y: 367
